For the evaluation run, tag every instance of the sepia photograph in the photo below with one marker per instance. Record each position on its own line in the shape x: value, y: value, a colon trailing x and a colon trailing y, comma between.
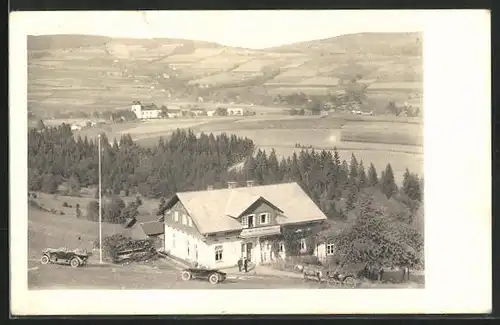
x: 163, y: 156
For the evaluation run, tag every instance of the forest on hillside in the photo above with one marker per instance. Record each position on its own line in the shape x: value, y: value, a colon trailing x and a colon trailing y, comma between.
x: 385, y: 219
x: 185, y: 162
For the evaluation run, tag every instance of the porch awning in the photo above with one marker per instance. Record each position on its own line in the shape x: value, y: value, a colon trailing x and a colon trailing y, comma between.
x: 261, y: 231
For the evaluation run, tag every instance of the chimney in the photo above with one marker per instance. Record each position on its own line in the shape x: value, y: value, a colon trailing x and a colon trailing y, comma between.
x: 250, y: 183
x: 210, y: 187
x: 231, y: 184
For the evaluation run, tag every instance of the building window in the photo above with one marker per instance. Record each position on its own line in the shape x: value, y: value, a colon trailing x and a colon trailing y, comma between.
x: 303, y: 245
x: 264, y: 218
x: 218, y: 253
x: 330, y: 249
x: 187, y: 245
x: 190, y: 221
x: 184, y: 219
x: 250, y: 222
x: 173, y: 240
x: 176, y: 216
x: 282, y: 247
x: 244, y: 221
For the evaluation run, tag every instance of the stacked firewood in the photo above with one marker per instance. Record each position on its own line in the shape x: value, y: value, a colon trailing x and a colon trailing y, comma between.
x: 119, y: 249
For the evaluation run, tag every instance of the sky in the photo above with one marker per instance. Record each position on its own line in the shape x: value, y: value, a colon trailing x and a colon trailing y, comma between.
x: 250, y: 29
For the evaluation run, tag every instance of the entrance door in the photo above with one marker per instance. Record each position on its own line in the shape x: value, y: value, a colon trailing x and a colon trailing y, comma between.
x: 249, y: 251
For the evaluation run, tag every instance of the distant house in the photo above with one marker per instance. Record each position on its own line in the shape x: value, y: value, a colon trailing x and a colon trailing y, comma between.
x: 76, y: 127
x: 235, y: 111
x: 149, y: 111
x: 211, y: 112
x: 174, y: 113
x: 152, y: 230
x: 199, y: 112
x: 217, y: 227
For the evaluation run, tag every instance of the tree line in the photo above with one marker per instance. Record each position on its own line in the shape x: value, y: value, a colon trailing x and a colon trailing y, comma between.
x: 182, y: 162
x: 185, y: 162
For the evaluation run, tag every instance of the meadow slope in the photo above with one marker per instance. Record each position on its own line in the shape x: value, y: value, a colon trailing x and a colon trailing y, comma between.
x: 82, y: 73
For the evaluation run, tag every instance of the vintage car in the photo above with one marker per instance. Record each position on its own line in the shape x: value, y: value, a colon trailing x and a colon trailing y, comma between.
x: 212, y: 276
x: 75, y: 258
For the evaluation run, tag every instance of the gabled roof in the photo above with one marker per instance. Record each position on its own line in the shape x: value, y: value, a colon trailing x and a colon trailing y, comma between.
x: 153, y: 228
x: 239, y: 201
x: 215, y: 210
x: 129, y: 222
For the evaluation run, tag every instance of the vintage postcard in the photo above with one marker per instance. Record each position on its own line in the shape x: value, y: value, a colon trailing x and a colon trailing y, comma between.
x: 250, y: 162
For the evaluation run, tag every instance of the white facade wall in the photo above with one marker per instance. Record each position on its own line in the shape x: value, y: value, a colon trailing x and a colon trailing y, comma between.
x: 137, y: 109
x: 231, y: 252
x: 186, y: 246
x: 151, y: 113
x: 320, y: 252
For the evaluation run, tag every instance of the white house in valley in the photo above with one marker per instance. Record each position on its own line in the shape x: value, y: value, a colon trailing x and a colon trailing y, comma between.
x: 142, y: 111
x: 216, y: 227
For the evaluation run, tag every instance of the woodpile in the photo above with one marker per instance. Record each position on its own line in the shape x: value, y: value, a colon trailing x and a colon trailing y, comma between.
x: 120, y: 249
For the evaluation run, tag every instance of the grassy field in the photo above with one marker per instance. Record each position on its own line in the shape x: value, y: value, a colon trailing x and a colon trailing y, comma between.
x: 46, y: 229
x: 88, y: 74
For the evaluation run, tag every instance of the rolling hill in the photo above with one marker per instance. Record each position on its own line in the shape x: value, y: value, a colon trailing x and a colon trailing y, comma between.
x: 69, y: 73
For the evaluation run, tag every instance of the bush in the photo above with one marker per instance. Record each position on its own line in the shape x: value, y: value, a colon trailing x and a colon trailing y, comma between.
x: 376, y: 241
x: 93, y: 211
x: 304, y: 260
x: 65, y: 204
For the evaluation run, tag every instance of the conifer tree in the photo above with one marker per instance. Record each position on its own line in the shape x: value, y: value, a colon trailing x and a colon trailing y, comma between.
x: 362, y: 178
x: 351, y: 199
x: 388, y: 183
x: 353, y: 170
x: 273, y: 173
x: 372, y: 176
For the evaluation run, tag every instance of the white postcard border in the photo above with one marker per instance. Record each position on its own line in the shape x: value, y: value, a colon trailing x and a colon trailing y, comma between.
x: 457, y: 196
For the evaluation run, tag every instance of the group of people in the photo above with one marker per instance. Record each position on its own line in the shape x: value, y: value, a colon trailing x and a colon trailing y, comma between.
x: 243, y: 264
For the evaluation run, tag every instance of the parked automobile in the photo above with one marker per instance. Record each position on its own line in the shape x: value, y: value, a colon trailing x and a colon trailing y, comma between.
x: 210, y: 275
x: 74, y: 258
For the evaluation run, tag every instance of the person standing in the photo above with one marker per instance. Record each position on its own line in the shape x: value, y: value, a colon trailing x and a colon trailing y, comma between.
x: 240, y: 264
x: 245, y: 265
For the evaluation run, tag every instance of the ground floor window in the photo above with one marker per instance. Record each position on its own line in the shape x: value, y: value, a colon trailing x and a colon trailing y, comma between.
x: 282, y: 247
x: 303, y: 245
x: 330, y: 249
x: 218, y: 253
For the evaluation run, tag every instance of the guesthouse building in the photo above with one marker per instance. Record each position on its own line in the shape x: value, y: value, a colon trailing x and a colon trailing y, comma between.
x: 217, y: 227
x: 149, y: 111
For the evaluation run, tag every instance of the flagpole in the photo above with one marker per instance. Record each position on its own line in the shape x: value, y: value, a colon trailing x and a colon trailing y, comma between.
x: 100, y: 207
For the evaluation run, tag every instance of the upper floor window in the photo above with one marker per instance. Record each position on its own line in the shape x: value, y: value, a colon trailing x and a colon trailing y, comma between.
x: 184, y: 219
x: 190, y: 221
x: 264, y: 218
x: 248, y: 221
x: 176, y: 216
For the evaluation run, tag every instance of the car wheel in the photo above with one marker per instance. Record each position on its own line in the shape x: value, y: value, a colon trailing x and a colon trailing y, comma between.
x: 74, y: 262
x: 349, y: 282
x: 45, y: 259
x: 213, y: 278
x: 186, y: 275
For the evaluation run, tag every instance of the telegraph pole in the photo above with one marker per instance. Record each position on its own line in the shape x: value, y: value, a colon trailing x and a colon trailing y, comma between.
x: 100, y: 202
